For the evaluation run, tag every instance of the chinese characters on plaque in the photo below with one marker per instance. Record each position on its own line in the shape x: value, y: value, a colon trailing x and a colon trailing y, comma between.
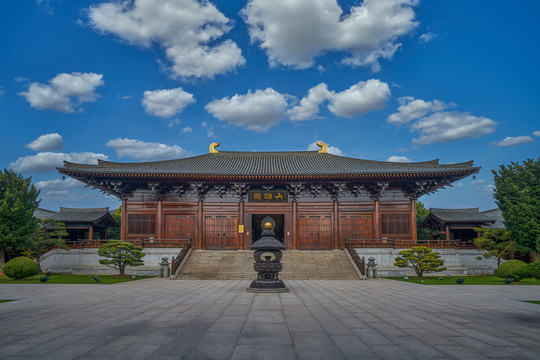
x: 263, y: 196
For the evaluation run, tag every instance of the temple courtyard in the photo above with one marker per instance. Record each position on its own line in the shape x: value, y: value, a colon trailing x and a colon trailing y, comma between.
x: 317, y: 319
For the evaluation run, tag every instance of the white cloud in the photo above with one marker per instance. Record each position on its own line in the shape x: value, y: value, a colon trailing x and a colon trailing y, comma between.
x: 397, y: 158
x: 450, y: 126
x: 411, y: 109
x: 59, y: 185
x: 360, y: 98
x: 187, y: 30
x: 142, y: 150
x: 331, y: 149
x: 309, y: 105
x: 2, y: 91
x: 166, y: 103
x: 513, y: 141
x: 536, y: 133
x: 293, y: 33
x: 47, y: 142
x: 427, y: 37
x: 187, y: 130
x: 489, y: 188
x: 477, y: 182
x: 60, y: 92
x: 256, y: 111
x: 49, y: 161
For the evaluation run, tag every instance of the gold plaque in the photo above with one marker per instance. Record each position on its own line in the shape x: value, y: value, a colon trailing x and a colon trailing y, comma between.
x: 240, y: 229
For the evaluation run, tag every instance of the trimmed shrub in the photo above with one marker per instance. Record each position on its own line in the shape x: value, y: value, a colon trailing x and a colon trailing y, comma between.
x: 531, y: 270
x: 508, y: 268
x: 21, y: 267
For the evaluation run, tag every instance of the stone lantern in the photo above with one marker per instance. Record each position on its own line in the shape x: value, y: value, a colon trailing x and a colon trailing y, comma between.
x: 267, y: 260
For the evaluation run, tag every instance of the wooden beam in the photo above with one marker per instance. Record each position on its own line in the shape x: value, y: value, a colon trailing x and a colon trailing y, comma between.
x: 294, y: 225
x: 91, y: 232
x: 123, y: 220
x: 200, y: 227
x: 447, y: 233
x: 412, y: 220
x: 377, y: 220
x: 241, y: 238
x: 159, y: 220
x: 335, y: 227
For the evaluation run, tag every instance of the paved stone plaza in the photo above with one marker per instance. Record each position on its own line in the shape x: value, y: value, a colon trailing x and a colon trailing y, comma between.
x: 318, y: 319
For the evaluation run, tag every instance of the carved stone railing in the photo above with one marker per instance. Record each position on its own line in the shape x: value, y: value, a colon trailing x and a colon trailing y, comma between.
x: 401, y: 243
x: 358, y: 261
x: 177, y: 260
x: 147, y: 243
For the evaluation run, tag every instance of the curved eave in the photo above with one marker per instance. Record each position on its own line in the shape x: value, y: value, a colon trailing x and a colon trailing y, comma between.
x: 410, y: 175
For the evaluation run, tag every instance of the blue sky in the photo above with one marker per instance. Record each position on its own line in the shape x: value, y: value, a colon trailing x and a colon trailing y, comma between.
x: 398, y: 80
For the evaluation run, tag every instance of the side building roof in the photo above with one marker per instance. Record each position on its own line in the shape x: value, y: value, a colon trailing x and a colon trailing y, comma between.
x: 92, y: 215
x: 470, y: 215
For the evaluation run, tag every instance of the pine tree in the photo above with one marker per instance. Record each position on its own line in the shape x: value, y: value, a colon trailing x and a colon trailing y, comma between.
x: 517, y: 193
x: 18, y: 200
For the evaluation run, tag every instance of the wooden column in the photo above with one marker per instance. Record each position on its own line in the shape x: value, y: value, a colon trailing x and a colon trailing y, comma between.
x: 294, y: 225
x: 412, y: 220
x: 335, y: 230
x: 377, y: 220
x: 430, y: 234
x: 200, y: 225
x: 159, y: 222
x: 91, y: 232
x: 447, y: 233
x: 123, y: 220
x: 241, y: 237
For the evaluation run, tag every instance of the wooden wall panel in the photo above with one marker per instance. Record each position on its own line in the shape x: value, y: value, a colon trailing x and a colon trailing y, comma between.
x: 356, y: 226
x: 315, y: 232
x: 221, y: 231
x: 180, y: 226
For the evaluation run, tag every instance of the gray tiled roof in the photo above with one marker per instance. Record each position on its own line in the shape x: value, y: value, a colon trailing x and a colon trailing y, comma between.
x: 461, y: 215
x: 43, y: 213
x: 292, y: 163
x: 80, y: 215
x: 497, y: 215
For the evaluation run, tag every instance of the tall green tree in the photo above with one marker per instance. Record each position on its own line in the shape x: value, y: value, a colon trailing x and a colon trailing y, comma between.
x: 421, y: 215
x: 517, y: 193
x: 494, y: 241
x: 18, y: 200
x: 49, y: 234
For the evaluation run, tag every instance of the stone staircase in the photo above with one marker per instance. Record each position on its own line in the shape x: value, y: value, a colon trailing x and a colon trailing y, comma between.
x: 297, y: 264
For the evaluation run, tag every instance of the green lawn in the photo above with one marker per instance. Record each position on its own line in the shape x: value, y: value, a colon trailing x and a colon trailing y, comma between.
x: 469, y: 280
x: 71, y: 279
x: 532, y: 301
x: 3, y: 300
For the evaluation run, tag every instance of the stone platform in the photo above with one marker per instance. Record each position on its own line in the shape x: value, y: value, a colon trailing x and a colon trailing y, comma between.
x: 317, y: 319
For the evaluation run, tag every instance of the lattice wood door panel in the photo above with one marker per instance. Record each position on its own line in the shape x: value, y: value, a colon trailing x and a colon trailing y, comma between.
x: 315, y: 232
x: 180, y: 226
x: 220, y: 231
x: 356, y: 226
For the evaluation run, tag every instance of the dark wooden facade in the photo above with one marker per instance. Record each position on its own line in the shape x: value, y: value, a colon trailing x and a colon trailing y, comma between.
x: 317, y: 199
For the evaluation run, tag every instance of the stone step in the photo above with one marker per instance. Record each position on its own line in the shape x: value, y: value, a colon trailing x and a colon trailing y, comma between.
x: 297, y: 264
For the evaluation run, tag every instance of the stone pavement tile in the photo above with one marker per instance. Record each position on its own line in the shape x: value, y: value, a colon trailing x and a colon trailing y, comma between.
x: 303, y: 323
x: 113, y: 346
x: 352, y: 322
x: 524, y: 353
x: 256, y: 333
x: 526, y: 342
x: 387, y: 329
x: 214, y: 345
x: 137, y: 351
x: 416, y: 347
x: 491, y: 340
x: 392, y: 352
x: 371, y: 337
x: 266, y: 316
x: 228, y: 323
x: 460, y: 352
x: 236, y: 310
x: 296, y: 310
x: 315, y: 345
x: 353, y: 348
x: 67, y: 352
x: 486, y: 349
x: 264, y: 352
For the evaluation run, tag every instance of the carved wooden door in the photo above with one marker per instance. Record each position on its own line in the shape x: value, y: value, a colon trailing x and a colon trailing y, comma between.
x: 220, y: 231
x: 356, y: 226
x: 180, y: 226
x: 315, y: 232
